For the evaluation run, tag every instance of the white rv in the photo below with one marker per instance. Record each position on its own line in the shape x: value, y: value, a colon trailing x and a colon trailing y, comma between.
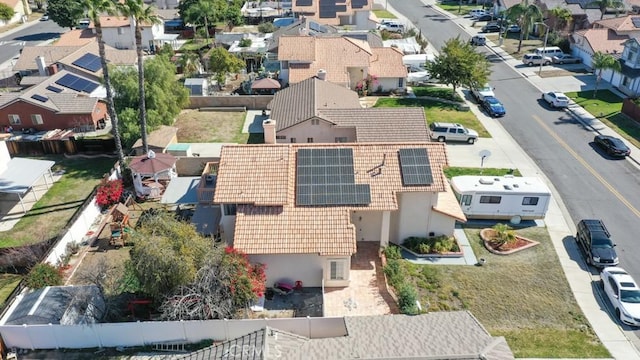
x: 506, y: 197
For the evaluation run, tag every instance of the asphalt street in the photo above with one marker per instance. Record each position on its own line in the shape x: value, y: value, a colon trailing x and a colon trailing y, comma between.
x: 35, y: 34
x: 591, y: 184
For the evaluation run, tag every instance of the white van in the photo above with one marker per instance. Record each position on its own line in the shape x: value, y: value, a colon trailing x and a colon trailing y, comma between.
x: 83, y: 24
x: 549, y: 51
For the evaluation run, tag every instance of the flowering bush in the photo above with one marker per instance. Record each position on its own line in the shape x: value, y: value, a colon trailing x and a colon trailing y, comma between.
x: 366, y: 85
x: 250, y: 280
x: 109, y: 192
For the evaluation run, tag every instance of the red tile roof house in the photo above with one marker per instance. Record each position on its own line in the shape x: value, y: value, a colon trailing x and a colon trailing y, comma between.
x: 354, y: 12
x: 341, y: 60
x: 319, y: 111
x: 301, y: 209
x: 607, y: 36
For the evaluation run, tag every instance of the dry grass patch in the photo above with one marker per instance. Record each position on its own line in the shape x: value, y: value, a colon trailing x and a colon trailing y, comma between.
x: 211, y: 126
x: 510, y: 45
x: 562, y: 72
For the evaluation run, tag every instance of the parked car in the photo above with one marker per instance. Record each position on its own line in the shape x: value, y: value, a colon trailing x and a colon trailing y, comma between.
x: 566, y: 59
x: 623, y: 293
x: 612, y: 145
x: 513, y: 28
x: 535, y: 59
x: 453, y: 132
x: 485, y: 17
x: 493, y: 106
x: 595, y: 241
x: 480, y: 92
x: 491, y: 28
x: 477, y: 12
x: 391, y: 27
x: 478, y: 40
x: 556, y: 99
x: 44, y: 17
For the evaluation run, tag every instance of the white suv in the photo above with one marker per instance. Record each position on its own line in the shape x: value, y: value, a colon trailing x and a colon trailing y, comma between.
x: 535, y: 59
x: 391, y: 26
x: 454, y: 132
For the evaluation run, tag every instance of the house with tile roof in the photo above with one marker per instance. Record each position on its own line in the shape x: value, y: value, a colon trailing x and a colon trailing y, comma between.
x: 341, y: 60
x: 354, y: 12
x: 119, y: 32
x: 61, y: 101
x: 627, y: 80
x: 587, y: 42
x: 301, y: 209
x: 436, y: 335
x: 21, y: 8
x: 319, y: 111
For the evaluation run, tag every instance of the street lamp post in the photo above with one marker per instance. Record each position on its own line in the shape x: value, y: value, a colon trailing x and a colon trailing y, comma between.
x: 544, y: 45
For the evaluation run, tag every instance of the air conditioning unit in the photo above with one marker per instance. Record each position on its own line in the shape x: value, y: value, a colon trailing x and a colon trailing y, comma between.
x: 209, y: 179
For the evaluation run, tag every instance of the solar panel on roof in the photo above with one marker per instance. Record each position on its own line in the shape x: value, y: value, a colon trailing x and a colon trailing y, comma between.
x: 89, y: 62
x: 358, y: 4
x: 415, y: 167
x: 326, y: 177
x: 304, y: 2
x: 39, y: 98
x: 77, y: 83
x: 54, y: 89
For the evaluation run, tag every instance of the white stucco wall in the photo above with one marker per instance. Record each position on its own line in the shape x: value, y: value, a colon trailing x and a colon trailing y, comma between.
x: 324, y: 132
x: 389, y: 84
x: 441, y: 224
x: 368, y: 225
x: 413, y: 216
x: 113, y: 38
x: 306, y: 268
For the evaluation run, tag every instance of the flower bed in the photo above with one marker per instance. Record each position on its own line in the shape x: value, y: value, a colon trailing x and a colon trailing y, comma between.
x: 438, y: 246
x: 519, y: 243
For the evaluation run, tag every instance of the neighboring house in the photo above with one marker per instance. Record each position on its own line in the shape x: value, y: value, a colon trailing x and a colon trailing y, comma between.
x: 119, y: 32
x: 627, y: 79
x: 451, y: 335
x: 318, y: 111
x: 76, y: 37
x: 354, y: 12
x: 158, y: 140
x: 21, y: 9
x: 62, y: 101
x: 341, y: 60
x: 589, y: 41
x: 301, y: 209
x: 63, y: 305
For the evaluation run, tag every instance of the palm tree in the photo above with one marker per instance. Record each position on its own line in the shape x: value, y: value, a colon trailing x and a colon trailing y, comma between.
x: 601, y: 61
x: 562, y: 17
x: 525, y: 15
x: 504, y: 234
x: 190, y: 63
x: 202, y: 11
x: 603, y: 5
x: 140, y: 14
x: 94, y: 8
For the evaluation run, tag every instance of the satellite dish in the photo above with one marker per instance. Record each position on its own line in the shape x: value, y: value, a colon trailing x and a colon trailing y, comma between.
x: 516, y: 220
x: 484, y: 153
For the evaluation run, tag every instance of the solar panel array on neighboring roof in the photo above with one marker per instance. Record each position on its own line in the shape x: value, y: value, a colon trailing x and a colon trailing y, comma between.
x: 77, y: 83
x: 89, y: 62
x: 326, y: 177
x: 358, y: 4
x: 54, y: 89
x: 39, y: 98
x: 329, y: 8
x: 415, y: 167
x: 304, y: 2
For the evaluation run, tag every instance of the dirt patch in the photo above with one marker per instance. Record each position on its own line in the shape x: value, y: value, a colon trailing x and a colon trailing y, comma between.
x: 211, y: 126
x: 562, y: 72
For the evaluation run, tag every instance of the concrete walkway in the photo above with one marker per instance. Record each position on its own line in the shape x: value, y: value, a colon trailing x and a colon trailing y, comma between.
x: 506, y: 153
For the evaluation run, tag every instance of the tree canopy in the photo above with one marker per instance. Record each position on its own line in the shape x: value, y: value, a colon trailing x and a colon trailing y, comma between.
x: 601, y: 62
x: 65, y: 13
x: 6, y: 12
x: 164, y: 96
x: 222, y: 62
x: 459, y: 64
x: 525, y: 15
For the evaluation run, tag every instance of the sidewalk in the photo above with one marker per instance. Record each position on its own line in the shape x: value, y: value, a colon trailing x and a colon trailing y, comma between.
x: 506, y: 153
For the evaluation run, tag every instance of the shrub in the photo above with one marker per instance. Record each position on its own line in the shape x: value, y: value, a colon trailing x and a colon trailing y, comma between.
x: 109, y: 192
x: 392, y: 253
x: 246, y: 42
x: 394, y: 273
x: 438, y: 244
x: 266, y: 28
x: 504, y: 234
x: 42, y: 275
x: 407, y: 298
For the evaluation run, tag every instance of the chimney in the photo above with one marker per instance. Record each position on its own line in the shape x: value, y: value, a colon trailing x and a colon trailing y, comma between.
x: 42, y: 66
x: 322, y: 74
x: 52, y: 69
x: 269, y: 127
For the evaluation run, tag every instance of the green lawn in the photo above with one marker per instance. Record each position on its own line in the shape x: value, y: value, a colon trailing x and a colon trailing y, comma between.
x: 436, y: 91
x: 52, y: 212
x: 193, y: 45
x: 524, y: 297
x: 459, y: 171
x: 8, y: 282
x: 457, y: 9
x: 438, y: 111
x: 384, y: 14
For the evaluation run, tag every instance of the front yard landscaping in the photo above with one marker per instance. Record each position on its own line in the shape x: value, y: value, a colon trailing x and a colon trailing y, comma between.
x: 459, y: 171
x: 438, y: 111
x: 505, y: 295
x: 384, y: 14
x: 211, y: 126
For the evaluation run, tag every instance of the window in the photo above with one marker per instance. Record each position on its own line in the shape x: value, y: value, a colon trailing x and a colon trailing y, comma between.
x: 36, y: 119
x: 315, y: 121
x: 309, y: 140
x: 341, y: 139
x: 120, y: 31
x: 452, y: 130
x: 530, y: 200
x: 281, y: 137
x: 293, y: 140
x: 466, y: 200
x: 490, y: 199
x: 337, y: 269
x: 229, y: 209
x: 614, y: 286
x: 626, y: 81
x: 400, y: 82
x: 14, y: 119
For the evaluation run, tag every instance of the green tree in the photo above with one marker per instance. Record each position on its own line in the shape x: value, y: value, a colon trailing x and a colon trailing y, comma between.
x: 190, y: 63
x: 266, y: 27
x: 525, y: 15
x: 66, y: 13
x: 142, y: 15
x: 562, y: 17
x: 6, y: 12
x: 200, y: 13
x: 603, y: 5
x: 459, y: 64
x: 221, y: 63
x: 94, y: 9
x: 165, y: 96
x: 600, y: 62
x: 41, y: 275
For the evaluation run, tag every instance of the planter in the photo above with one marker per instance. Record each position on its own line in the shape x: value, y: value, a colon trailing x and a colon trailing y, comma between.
x: 520, y: 243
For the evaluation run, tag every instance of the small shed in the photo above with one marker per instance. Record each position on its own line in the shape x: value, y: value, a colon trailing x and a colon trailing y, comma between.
x: 158, y: 140
x: 197, y: 86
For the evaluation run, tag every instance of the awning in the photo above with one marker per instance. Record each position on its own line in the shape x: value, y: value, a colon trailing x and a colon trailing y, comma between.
x: 21, y: 174
x: 181, y: 190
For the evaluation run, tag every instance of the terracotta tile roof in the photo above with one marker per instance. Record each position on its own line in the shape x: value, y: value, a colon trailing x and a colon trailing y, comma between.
x: 332, y: 54
x: 256, y: 175
x: 625, y: 23
x: 381, y: 124
x: 77, y: 37
x: 604, y: 40
x: 386, y: 62
x: 113, y: 21
x: 51, y: 54
x: 448, y: 204
x: 305, y: 99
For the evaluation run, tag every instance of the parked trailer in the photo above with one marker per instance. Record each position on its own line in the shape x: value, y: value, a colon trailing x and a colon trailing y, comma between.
x: 506, y: 197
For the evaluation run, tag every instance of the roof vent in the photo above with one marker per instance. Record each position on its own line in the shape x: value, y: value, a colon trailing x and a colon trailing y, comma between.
x: 486, y: 181
x: 507, y: 187
x: 516, y: 186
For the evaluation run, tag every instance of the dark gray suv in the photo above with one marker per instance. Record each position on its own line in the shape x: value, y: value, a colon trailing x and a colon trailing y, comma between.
x: 595, y: 240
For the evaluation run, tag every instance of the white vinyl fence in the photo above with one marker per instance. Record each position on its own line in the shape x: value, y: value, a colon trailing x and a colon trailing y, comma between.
x: 156, y: 332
